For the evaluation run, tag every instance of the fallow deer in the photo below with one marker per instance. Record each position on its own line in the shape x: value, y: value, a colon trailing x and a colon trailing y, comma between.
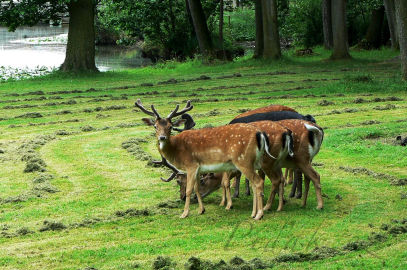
x: 280, y: 147
x: 226, y: 148
x: 306, y: 144
x: 273, y: 113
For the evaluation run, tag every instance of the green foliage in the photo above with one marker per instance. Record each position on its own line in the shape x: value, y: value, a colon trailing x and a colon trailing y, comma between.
x: 30, y: 12
x: 164, y: 25
x: 303, y: 24
x: 242, y: 25
x: 358, y: 17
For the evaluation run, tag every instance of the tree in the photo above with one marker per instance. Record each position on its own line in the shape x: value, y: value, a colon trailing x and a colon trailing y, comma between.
x: 80, y: 52
x: 201, y: 27
x: 340, y: 38
x: 373, y: 36
x: 271, y: 48
x: 259, y: 43
x: 327, y: 23
x: 392, y: 21
x: 401, y: 15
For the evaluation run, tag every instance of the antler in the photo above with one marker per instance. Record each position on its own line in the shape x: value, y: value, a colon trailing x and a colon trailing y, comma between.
x: 187, y: 108
x: 165, y: 163
x: 141, y: 107
x: 189, y: 124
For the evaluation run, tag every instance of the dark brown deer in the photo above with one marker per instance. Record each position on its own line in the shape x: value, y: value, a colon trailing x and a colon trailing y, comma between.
x: 226, y: 148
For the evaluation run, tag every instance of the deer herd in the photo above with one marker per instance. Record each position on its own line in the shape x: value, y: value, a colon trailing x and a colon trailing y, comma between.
x: 257, y: 143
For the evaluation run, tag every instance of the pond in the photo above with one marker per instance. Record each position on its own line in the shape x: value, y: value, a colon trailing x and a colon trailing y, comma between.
x: 39, y: 49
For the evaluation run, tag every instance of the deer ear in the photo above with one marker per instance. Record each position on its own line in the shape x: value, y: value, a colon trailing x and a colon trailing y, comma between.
x: 148, y: 121
x: 179, y: 122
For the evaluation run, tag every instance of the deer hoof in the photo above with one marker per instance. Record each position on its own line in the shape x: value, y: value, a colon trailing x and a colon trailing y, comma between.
x: 259, y: 216
x: 319, y: 207
x: 229, y: 207
x: 184, y: 215
x: 201, y: 212
x: 267, y: 207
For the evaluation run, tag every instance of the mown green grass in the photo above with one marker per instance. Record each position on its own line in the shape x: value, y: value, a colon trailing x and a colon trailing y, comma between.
x: 96, y: 177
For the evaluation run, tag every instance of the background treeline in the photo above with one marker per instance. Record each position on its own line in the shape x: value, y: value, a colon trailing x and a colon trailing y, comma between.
x: 167, y: 29
x: 215, y: 29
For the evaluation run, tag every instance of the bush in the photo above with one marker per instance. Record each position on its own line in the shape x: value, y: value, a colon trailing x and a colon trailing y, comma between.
x: 303, y: 24
x: 242, y: 25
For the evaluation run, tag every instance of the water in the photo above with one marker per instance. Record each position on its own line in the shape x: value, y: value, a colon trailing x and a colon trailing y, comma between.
x: 30, y: 49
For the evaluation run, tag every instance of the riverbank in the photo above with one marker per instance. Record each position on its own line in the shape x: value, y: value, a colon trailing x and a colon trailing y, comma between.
x: 78, y: 190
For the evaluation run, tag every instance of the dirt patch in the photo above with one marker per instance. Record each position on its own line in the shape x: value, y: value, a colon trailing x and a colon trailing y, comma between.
x: 325, y: 102
x: 131, y: 212
x: 360, y: 170
x: 87, y: 128
x: 164, y: 262
x: 370, y: 122
x: 62, y: 132
x: 359, y: 79
x: 346, y: 110
x: 170, y: 204
x: 235, y: 263
x: 23, y: 106
x: 385, y: 107
x: 30, y: 115
x: 63, y: 112
x: 49, y: 225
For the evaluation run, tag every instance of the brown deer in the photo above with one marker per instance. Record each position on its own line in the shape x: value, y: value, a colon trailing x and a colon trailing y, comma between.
x: 306, y: 144
x: 280, y: 147
x: 308, y: 138
x: 226, y: 148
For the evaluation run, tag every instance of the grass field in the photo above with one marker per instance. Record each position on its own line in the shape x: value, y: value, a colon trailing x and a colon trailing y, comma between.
x: 77, y: 190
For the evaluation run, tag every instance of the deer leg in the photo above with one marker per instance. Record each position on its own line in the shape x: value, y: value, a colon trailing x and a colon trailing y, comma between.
x: 279, y: 176
x: 315, y: 178
x: 259, y: 194
x: 198, y: 195
x: 191, y: 179
x: 293, y: 188
x: 226, y: 182
x: 237, y: 185
x: 258, y: 187
x: 298, y: 178
x: 247, y: 187
x: 254, y: 211
x: 223, y: 201
x: 290, y: 175
x: 304, y: 198
x: 275, y: 185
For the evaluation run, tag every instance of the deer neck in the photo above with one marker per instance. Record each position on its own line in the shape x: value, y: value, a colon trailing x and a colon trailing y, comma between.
x: 167, y: 148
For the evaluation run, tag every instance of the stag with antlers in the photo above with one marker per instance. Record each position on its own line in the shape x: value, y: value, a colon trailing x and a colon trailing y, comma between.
x: 226, y: 148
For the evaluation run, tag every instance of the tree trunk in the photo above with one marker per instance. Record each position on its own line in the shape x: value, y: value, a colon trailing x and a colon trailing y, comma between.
x: 201, y: 27
x: 327, y: 24
x: 80, y: 50
x: 374, y: 31
x: 259, y: 45
x: 221, y: 22
x: 271, y: 48
x: 401, y: 15
x: 392, y: 21
x: 340, y: 37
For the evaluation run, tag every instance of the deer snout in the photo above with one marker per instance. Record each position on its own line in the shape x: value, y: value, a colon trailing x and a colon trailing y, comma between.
x: 162, y: 138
